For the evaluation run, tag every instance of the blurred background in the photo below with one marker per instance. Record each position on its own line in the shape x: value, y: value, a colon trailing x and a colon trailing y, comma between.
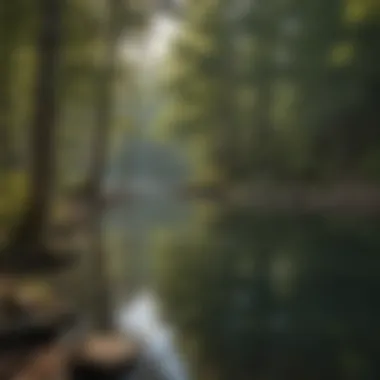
x: 209, y: 168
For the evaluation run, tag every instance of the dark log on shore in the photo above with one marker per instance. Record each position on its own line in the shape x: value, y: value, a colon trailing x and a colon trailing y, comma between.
x: 107, y: 357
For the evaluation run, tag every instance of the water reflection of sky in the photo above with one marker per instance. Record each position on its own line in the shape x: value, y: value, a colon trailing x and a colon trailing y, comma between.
x: 160, y: 360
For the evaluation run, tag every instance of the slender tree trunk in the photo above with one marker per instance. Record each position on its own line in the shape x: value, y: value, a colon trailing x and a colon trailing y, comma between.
x: 5, y: 107
x: 42, y: 131
x: 101, y: 301
x: 7, y: 47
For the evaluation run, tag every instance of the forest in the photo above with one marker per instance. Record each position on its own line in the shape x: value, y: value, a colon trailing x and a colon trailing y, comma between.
x: 262, y: 117
x: 280, y: 90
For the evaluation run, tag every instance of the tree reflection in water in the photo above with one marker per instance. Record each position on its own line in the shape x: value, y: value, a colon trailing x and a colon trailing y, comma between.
x: 276, y: 297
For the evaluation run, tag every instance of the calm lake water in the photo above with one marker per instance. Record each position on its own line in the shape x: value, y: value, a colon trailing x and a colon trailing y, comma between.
x: 231, y: 292
x: 260, y: 296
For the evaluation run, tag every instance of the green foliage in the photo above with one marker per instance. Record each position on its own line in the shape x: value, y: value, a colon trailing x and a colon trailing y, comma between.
x: 79, y: 67
x: 275, y: 90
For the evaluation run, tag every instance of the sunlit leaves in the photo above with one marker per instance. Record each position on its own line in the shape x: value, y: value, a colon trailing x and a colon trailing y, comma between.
x: 357, y: 11
x: 246, y: 98
x: 198, y: 44
x: 285, y: 96
x: 181, y: 120
x: 12, y: 198
x: 198, y: 152
x: 342, y: 54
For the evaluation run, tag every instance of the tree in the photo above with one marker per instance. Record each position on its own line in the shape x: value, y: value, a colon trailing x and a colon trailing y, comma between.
x: 117, y: 18
x: 21, y: 21
x: 199, y: 84
x: 28, y: 243
x: 18, y: 21
x: 291, y: 83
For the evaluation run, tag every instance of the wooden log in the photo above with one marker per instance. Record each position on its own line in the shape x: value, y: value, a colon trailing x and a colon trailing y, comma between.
x: 104, y: 357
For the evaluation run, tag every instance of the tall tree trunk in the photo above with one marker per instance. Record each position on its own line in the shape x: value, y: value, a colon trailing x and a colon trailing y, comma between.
x: 7, y: 48
x: 30, y: 233
x: 5, y: 106
x: 101, y: 301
